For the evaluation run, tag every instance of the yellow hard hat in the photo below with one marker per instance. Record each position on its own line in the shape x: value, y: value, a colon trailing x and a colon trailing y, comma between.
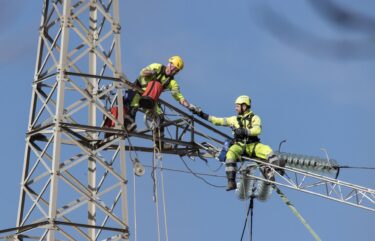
x: 177, y: 62
x: 243, y: 99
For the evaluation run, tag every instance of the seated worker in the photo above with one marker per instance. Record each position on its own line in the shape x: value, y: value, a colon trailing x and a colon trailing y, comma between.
x: 246, y: 128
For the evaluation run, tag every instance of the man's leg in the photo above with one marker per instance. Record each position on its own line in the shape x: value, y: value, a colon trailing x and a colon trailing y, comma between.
x: 265, y: 152
x: 232, y: 156
x: 130, y: 118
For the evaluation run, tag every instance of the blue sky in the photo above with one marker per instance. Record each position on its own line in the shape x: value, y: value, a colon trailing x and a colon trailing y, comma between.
x: 312, y: 100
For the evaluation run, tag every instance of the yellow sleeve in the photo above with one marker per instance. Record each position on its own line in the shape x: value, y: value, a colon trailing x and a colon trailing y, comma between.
x: 175, y: 90
x: 155, y: 67
x: 256, y: 126
x: 225, y: 121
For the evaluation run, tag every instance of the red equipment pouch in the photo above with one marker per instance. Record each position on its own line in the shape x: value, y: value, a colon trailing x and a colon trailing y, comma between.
x: 151, y: 94
x: 114, y: 111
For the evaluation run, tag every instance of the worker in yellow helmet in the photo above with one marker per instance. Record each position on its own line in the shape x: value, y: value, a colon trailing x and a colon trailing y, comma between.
x: 153, y: 80
x: 246, y: 128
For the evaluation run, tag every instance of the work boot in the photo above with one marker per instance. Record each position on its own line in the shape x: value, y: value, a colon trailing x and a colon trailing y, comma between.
x: 275, y: 160
x: 231, y: 176
x: 282, y: 163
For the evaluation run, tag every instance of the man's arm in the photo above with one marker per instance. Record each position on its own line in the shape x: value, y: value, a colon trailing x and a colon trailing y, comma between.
x: 256, y: 126
x: 222, y: 121
x: 176, y: 93
x: 219, y: 121
x: 150, y: 70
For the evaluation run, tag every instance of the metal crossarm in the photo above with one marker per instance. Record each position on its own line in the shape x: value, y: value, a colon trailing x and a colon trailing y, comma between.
x: 323, y: 186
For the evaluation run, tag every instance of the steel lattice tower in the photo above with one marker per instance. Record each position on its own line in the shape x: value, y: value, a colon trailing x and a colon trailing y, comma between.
x: 73, y: 186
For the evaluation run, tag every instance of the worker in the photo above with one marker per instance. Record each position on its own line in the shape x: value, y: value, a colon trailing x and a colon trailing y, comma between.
x: 153, y: 80
x: 246, y: 128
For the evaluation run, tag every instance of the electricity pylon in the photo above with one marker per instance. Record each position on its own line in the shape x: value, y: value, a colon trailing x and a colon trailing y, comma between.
x: 74, y: 184
x: 72, y: 188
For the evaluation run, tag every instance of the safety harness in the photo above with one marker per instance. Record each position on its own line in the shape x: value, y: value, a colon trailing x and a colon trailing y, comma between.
x: 242, y: 124
x: 157, y: 78
x: 247, y: 139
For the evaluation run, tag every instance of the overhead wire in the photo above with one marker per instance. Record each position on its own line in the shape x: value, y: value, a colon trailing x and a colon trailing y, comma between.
x: 249, y: 210
x: 188, y: 172
x: 213, y: 170
x: 356, y: 167
x: 192, y: 172
x: 199, y: 177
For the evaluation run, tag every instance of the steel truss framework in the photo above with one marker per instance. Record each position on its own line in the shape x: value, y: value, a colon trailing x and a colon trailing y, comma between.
x: 74, y: 191
x: 74, y: 184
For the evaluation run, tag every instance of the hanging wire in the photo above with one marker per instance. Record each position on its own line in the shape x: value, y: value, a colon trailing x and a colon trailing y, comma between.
x: 192, y: 172
x: 197, y: 176
x: 188, y: 172
x: 249, y: 210
x: 212, y: 170
x: 356, y: 167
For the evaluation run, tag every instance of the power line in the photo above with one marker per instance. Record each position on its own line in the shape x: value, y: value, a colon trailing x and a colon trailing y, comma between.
x: 190, y: 171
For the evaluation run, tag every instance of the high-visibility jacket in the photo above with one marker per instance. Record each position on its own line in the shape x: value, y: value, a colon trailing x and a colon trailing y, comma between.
x: 248, y: 120
x: 160, y: 75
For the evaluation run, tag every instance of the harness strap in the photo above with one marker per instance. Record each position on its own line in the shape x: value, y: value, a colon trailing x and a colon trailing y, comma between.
x: 158, y: 78
x: 249, y: 139
x: 253, y: 151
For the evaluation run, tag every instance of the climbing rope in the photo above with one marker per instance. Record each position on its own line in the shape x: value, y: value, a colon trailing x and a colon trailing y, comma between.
x: 154, y: 179
x: 157, y: 164
x: 296, y: 213
x: 164, y: 200
x: 162, y: 183
x: 134, y: 190
x: 135, y: 206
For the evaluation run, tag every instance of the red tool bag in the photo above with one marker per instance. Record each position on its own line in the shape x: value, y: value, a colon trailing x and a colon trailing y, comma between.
x: 151, y: 94
x: 114, y: 111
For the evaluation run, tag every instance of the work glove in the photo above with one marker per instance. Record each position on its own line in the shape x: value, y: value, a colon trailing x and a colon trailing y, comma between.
x: 203, y: 115
x: 240, y: 133
x: 198, y: 111
x: 194, y: 109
